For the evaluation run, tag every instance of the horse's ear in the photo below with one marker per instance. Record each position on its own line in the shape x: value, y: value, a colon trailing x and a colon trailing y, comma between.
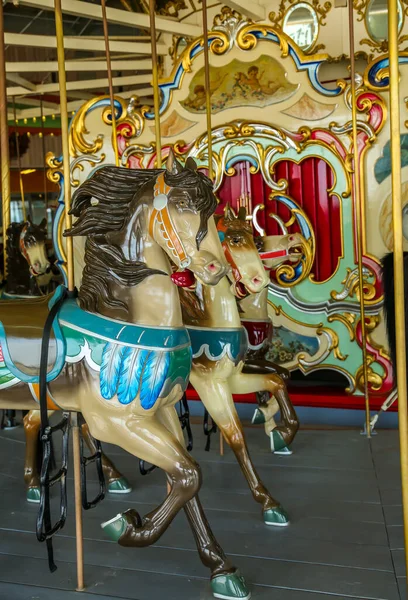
x: 242, y: 213
x: 43, y: 224
x: 191, y: 164
x: 172, y: 164
x: 229, y: 213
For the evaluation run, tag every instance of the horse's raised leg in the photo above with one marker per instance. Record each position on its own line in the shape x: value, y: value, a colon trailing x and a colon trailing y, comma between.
x: 32, y: 426
x: 115, y: 481
x: 223, y: 575
x: 216, y: 396
x: 281, y: 435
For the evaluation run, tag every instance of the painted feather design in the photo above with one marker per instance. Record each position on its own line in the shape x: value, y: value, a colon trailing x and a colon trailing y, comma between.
x: 110, y: 369
x: 130, y: 375
x: 154, y: 375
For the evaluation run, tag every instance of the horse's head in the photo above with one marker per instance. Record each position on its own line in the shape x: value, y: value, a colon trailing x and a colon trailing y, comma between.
x: 278, y: 249
x: 181, y: 221
x: 237, y: 240
x: 32, y: 246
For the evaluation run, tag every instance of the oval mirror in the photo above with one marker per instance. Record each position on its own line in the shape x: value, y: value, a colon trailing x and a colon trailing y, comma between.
x: 377, y: 19
x: 301, y: 24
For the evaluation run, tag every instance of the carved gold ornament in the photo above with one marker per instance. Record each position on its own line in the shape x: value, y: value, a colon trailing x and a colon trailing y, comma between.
x: 375, y: 43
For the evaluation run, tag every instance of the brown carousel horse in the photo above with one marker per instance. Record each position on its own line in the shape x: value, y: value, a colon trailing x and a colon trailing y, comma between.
x: 120, y: 354
x: 30, y: 273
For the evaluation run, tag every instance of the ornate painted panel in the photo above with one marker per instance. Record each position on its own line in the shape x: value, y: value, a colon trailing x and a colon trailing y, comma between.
x: 282, y: 141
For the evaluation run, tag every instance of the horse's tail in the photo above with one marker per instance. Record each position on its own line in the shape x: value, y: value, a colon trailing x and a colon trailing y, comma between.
x: 389, y: 307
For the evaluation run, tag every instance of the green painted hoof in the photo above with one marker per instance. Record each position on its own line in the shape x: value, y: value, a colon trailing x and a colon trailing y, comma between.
x: 258, y: 418
x: 115, y: 527
x: 276, y: 517
x: 119, y: 486
x: 278, y: 443
x: 230, y: 586
x: 286, y: 451
x: 33, y: 495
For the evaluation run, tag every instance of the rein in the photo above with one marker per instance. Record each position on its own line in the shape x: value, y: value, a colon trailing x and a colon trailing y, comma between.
x: 161, y: 215
x: 221, y: 228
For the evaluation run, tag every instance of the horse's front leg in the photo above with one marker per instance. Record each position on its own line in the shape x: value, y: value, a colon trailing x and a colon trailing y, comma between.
x: 216, y: 396
x: 32, y: 426
x: 116, y: 482
x: 283, y: 434
x: 224, y: 576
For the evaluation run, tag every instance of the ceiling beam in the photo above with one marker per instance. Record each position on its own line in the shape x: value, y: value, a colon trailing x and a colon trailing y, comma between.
x: 48, y: 41
x: 77, y: 65
x: 15, y: 78
x: 89, y: 84
x: 120, y: 17
x: 250, y: 9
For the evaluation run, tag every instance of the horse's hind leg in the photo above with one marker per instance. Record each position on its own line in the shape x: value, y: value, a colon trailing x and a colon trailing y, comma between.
x: 217, y: 398
x: 223, y: 574
x: 32, y: 426
x: 116, y: 482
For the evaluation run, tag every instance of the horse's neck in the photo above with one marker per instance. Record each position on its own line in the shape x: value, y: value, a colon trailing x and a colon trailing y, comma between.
x: 255, y: 306
x: 154, y: 301
x: 218, y: 307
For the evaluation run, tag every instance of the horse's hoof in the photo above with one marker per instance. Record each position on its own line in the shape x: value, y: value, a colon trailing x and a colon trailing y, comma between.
x: 258, y: 418
x: 33, y: 495
x: 230, y: 586
x: 115, y: 527
x: 286, y: 451
x: 119, y: 486
x: 278, y: 444
x: 276, y: 517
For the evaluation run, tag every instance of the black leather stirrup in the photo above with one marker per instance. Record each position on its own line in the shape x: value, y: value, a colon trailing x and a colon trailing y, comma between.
x: 45, y: 530
x: 208, y: 431
x: 85, y: 461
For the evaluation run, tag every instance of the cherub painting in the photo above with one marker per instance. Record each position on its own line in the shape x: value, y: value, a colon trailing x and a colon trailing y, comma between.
x: 260, y: 83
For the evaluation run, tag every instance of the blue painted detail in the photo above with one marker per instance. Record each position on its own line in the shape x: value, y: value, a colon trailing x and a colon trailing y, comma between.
x: 147, y: 373
x: 216, y: 343
x: 221, y: 235
x: 374, y: 73
x: 382, y: 168
x: 105, y: 102
x: 236, y: 159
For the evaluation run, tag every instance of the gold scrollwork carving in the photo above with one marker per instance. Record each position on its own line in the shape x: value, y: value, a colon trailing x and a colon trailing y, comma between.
x: 335, y: 342
x: 54, y: 165
x: 347, y: 319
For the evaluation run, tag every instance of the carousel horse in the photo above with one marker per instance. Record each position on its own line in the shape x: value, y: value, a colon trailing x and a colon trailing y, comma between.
x: 253, y: 308
x: 219, y: 345
x: 29, y: 271
x: 120, y: 354
x: 30, y: 274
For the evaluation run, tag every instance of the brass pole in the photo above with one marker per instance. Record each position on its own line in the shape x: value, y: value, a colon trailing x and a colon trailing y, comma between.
x: 109, y: 69
x: 4, y: 142
x: 20, y: 177
x: 207, y: 88
x: 76, y: 443
x: 156, y: 90
x: 359, y: 217
x: 398, y: 258
x: 43, y: 154
x: 59, y: 30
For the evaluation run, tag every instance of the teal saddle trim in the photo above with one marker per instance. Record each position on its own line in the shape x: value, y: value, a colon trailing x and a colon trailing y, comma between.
x: 217, y: 343
x: 74, y: 329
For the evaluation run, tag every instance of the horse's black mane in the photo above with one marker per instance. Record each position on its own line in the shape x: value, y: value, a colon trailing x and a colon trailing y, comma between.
x: 102, y: 206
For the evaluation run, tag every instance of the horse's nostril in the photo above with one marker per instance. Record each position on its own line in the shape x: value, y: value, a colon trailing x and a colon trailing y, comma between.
x: 212, y: 267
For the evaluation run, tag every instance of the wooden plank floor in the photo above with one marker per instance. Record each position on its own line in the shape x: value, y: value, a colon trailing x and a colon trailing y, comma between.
x: 345, y: 539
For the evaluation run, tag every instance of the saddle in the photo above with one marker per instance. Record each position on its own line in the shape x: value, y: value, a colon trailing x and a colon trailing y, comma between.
x: 21, y: 330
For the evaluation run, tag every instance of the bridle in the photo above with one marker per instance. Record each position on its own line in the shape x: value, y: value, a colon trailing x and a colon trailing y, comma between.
x: 239, y: 288
x: 161, y: 215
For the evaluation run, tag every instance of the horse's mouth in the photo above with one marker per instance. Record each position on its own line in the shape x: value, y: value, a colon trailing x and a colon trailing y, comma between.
x: 240, y: 290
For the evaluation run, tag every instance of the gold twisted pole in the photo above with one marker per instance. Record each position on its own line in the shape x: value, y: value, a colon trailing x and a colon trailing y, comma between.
x: 359, y: 217
x: 43, y: 154
x: 156, y: 90
x: 207, y: 88
x: 400, y: 309
x: 109, y: 69
x: 20, y: 177
x: 59, y: 30
x: 4, y: 142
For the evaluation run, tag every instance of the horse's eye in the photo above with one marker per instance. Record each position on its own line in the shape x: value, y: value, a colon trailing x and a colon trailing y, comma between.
x: 236, y: 240
x: 183, y: 203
